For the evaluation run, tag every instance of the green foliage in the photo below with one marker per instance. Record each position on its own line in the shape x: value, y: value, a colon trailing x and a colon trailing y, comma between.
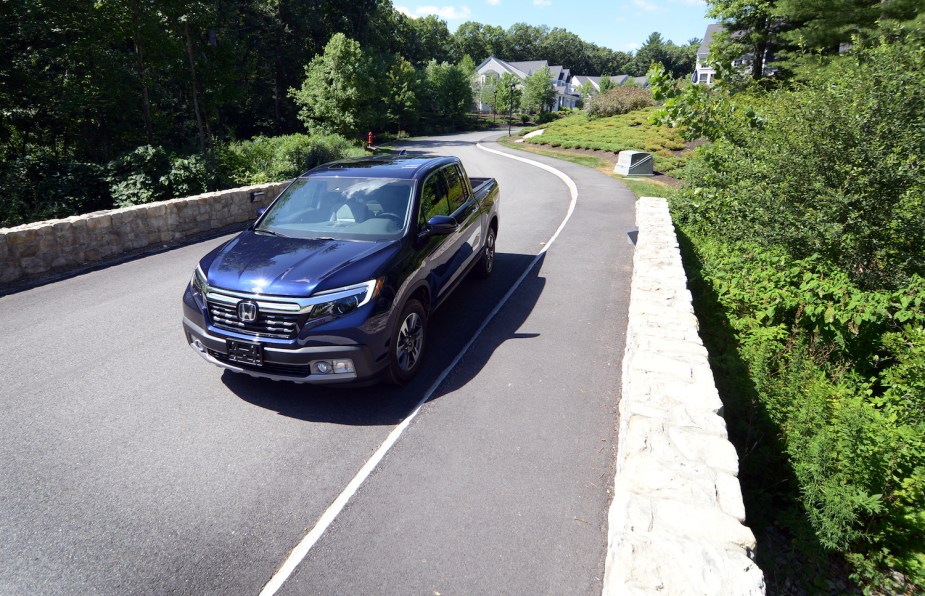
x: 629, y: 131
x: 41, y: 186
x: 833, y: 169
x: 336, y: 93
x: 508, y: 89
x: 538, y: 94
x: 677, y: 60
x: 619, y: 100
x: 806, y: 215
x: 839, y: 371
x: 447, y: 93
x: 273, y: 159
x: 401, y: 93
x: 698, y: 111
x: 150, y: 174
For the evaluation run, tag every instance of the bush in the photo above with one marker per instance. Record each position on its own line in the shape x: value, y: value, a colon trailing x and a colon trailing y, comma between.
x: 806, y: 215
x: 272, y: 159
x: 42, y: 186
x: 832, y: 168
x: 619, y: 100
x: 840, y: 371
x: 150, y: 174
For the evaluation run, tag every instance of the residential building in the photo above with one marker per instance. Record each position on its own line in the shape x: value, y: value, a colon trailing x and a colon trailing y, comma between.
x: 560, y: 78
x: 704, y: 73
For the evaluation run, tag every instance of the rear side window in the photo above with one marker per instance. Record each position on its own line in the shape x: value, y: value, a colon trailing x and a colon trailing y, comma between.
x: 434, y: 199
x: 456, y: 188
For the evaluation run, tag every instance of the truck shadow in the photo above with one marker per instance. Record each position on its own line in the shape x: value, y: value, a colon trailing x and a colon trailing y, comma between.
x: 451, y: 328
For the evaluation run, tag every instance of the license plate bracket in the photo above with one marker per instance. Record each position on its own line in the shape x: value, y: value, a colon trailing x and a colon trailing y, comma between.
x: 245, y: 352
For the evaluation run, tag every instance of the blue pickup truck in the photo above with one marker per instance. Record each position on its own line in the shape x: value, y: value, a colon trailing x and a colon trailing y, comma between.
x: 337, y: 280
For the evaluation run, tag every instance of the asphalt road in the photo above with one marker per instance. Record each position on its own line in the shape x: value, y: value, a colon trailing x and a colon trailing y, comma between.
x: 129, y: 465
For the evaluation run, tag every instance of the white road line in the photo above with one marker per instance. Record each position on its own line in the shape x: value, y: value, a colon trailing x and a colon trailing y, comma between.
x: 301, y: 550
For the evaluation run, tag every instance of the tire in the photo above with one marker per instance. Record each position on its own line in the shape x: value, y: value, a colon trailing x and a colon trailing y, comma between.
x: 406, y: 350
x: 486, y: 264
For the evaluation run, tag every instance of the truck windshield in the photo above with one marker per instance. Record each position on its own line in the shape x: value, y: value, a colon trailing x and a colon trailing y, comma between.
x: 370, y: 209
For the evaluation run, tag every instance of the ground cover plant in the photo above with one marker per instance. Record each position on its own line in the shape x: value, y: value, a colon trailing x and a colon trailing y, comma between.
x: 617, y: 133
x: 802, y: 233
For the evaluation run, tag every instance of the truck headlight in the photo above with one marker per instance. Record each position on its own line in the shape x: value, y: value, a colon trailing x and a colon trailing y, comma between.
x: 345, y: 300
x: 199, y: 285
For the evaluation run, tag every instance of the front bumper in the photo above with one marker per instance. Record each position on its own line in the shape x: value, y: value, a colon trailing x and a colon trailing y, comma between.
x: 284, y: 364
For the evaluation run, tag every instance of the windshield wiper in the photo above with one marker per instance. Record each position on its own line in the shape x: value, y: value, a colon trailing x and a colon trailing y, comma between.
x: 268, y: 231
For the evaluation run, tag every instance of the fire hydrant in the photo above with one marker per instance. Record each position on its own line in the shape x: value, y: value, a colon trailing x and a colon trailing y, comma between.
x: 370, y: 138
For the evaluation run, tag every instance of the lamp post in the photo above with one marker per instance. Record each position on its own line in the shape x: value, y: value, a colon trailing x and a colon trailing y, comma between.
x: 510, y: 116
x: 494, y: 108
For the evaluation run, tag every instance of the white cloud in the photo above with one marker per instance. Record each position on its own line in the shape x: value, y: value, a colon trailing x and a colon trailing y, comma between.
x: 450, y: 13
x: 646, y: 5
x: 633, y: 46
x: 542, y: 2
x: 494, y: 2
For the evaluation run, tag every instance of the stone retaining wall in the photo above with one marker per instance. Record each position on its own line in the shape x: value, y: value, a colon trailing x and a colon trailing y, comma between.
x: 42, y: 249
x: 676, y: 521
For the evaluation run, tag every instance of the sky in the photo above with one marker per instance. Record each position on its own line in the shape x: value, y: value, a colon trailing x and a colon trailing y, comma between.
x: 616, y: 24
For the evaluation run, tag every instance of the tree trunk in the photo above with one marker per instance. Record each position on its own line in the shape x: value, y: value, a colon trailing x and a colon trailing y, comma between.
x: 140, y: 60
x: 192, y: 67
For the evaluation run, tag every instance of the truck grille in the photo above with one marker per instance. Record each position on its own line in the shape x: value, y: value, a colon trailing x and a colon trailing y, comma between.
x: 268, y: 324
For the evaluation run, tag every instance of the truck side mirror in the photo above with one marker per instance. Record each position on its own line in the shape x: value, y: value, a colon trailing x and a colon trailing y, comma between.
x: 440, y: 225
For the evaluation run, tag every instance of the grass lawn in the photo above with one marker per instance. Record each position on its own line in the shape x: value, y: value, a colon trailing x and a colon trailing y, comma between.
x: 615, y: 134
x: 641, y: 187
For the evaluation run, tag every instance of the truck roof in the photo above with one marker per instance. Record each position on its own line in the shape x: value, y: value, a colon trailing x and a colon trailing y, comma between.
x: 382, y: 166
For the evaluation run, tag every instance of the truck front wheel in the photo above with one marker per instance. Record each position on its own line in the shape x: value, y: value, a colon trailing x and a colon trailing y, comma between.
x: 406, y: 350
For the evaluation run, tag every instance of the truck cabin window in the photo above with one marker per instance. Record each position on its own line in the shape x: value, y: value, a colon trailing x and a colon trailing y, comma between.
x: 366, y: 209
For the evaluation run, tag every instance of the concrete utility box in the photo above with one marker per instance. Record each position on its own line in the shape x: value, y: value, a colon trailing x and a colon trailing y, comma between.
x: 634, y: 163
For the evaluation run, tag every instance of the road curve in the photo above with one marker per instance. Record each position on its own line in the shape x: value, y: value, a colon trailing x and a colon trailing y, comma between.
x: 128, y: 465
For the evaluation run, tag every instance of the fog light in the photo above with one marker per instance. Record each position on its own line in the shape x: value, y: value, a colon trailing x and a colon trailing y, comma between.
x: 198, y: 345
x: 343, y: 366
x: 321, y: 367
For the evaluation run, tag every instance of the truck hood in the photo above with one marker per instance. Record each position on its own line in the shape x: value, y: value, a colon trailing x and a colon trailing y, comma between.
x: 277, y: 266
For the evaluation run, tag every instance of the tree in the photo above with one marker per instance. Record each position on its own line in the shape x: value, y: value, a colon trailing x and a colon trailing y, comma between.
x: 509, y: 91
x: 479, y: 41
x: 606, y: 84
x: 400, y: 100
x: 337, y: 93
x: 820, y: 27
x: 749, y: 31
x: 538, y: 95
x: 431, y: 41
x: 448, y: 91
x: 524, y: 41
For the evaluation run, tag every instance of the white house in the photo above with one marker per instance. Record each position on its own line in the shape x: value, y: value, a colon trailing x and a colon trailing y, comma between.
x: 704, y: 74
x: 560, y: 78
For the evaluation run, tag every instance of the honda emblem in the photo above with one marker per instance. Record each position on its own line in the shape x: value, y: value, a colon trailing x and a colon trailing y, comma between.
x: 247, y: 311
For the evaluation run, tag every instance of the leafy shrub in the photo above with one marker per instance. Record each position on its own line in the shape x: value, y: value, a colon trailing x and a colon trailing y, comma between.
x: 833, y: 167
x: 545, y: 117
x: 150, y: 174
x: 619, y: 100
x: 840, y: 372
x: 42, y: 186
x: 272, y: 159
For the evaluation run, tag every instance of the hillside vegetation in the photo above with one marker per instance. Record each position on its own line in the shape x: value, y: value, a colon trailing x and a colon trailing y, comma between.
x: 618, y: 133
x: 802, y: 225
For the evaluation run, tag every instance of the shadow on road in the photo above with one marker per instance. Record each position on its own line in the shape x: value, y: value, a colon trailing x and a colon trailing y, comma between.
x: 451, y: 327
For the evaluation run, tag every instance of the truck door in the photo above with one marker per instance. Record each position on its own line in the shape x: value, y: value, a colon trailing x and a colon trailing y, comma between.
x: 465, y: 209
x: 437, y: 251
